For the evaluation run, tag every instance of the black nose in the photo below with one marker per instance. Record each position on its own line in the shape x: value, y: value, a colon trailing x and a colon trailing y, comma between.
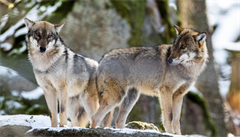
x: 169, y: 61
x: 42, y: 49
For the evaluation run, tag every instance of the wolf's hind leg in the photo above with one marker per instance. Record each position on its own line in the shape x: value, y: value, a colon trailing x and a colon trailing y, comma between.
x: 105, y: 107
x: 107, y: 121
x: 90, y: 104
x: 111, y: 91
x: 126, y: 106
x: 79, y: 118
x: 82, y: 118
x: 51, y: 99
x: 77, y: 113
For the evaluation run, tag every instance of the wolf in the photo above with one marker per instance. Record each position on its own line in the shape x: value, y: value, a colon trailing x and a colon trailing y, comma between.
x: 165, y: 71
x: 62, y: 74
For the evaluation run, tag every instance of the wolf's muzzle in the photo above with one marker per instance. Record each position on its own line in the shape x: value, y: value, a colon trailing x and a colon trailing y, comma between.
x: 169, y: 61
x: 42, y: 49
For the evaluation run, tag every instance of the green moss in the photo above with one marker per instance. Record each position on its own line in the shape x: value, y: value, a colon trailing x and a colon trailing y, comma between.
x: 36, y: 110
x: 137, y: 113
x: 141, y: 125
x: 194, y: 97
x: 47, y: 3
x: 134, y: 12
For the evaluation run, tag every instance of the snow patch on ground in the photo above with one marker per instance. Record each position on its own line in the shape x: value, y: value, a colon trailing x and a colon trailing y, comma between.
x: 25, y: 120
x: 35, y: 121
x: 43, y: 122
x: 7, y: 71
x: 34, y: 94
x: 13, y: 104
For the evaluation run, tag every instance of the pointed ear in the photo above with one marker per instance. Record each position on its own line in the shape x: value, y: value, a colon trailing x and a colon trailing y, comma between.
x: 58, y: 27
x: 201, y: 37
x: 178, y: 29
x: 28, y: 23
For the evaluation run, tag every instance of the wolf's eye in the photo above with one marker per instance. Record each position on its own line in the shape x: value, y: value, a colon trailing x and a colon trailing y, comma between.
x: 37, y: 34
x: 183, y: 47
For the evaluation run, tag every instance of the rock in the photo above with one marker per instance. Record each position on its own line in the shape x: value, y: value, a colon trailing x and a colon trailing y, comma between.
x: 37, y: 125
x: 13, y: 130
x: 97, y: 132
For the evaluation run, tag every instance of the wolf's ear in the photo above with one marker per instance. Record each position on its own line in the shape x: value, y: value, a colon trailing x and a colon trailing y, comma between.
x: 58, y: 27
x: 28, y: 23
x: 201, y: 37
x: 178, y: 29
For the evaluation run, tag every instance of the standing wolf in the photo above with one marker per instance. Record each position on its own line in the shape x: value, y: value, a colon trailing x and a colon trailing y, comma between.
x: 62, y: 73
x: 166, y: 71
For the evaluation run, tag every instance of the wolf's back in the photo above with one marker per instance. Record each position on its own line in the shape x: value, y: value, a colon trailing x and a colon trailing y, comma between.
x: 134, y: 65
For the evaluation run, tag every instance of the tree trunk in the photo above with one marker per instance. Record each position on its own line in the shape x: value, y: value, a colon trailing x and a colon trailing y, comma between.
x: 233, y: 96
x: 193, y: 15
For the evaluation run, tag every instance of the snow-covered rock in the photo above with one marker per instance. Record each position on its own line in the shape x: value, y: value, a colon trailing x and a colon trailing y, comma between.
x: 39, y: 125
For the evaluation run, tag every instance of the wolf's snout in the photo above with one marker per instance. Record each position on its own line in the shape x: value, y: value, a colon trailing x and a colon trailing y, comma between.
x: 42, y: 49
x: 169, y: 61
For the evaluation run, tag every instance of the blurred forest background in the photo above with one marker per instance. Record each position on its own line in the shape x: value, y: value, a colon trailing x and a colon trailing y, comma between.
x: 94, y: 27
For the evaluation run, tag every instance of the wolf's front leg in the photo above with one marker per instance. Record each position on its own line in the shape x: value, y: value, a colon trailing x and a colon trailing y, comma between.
x: 177, y: 106
x: 166, y: 107
x: 51, y: 99
x: 63, y: 100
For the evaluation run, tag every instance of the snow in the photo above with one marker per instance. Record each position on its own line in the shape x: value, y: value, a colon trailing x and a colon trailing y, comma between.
x: 7, y: 71
x: 35, y: 121
x: 32, y: 15
x: 4, y: 20
x: 1, y: 99
x: 2, y: 112
x: 12, y: 104
x: 230, y: 135
x: 228, y: 28
x: 21, y: 32
x: 34, y: 94
x: 26, y: 120
x: 43, y: 122
x: 6, y: 46
x: 226, y: 15
x: 12, y: 29
x: 233, y: 46
x: 236, y: 121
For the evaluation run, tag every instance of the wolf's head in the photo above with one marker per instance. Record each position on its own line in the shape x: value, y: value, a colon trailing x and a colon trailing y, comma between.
x: 189, y: 45
x: 42, y: 35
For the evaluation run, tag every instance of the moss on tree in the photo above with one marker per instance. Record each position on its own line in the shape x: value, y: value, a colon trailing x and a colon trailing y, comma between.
x: 194, y: 97
x: 134, y: 12
x: 164, y: 11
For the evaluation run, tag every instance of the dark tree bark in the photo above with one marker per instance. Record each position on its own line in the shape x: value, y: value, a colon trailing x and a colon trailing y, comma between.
x: 193, y: 15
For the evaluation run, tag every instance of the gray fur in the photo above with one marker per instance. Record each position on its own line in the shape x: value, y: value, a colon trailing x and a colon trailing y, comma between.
x: 146, y: 70
x: 62, y: 74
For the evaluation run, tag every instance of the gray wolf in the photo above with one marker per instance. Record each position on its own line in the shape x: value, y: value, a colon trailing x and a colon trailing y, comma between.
x: 165, y: 71
x: 62, y: 74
